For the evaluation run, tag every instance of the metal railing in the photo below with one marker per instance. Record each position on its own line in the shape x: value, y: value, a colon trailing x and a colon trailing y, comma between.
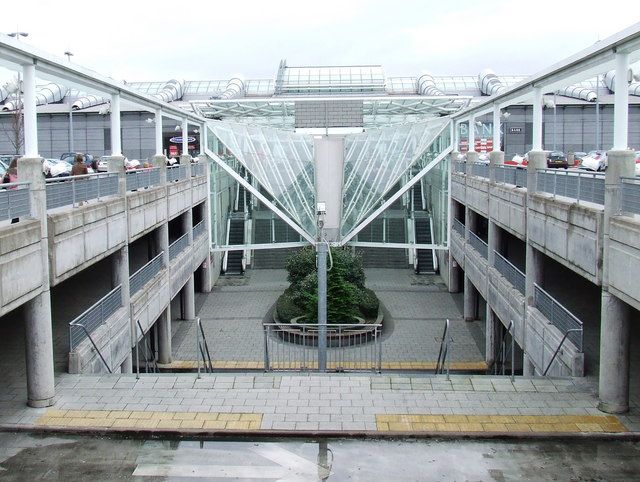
x: 199, y: 229
x: 510, y: 272
x: 630, y: 195
x: 141, y: 178
x: 198, y: 169
x: 145, y: 274
x: 582, y: 186
x: 14, y: 200
x: 505, y: 352
x: 510, y: 175
x: 64, y: 191
x: 150, y: 363
x: 349, y: 347
x: 178, y: 246
x: 176, y: 172
x: 202, y: 349
x: 96, y: 315
x: 458, y: 227
x: 555, y: 353
x: 444, y: 362
x: 559, y: 316
x: 459, y: 166
x: 480, y: 169
x: 478, y: 244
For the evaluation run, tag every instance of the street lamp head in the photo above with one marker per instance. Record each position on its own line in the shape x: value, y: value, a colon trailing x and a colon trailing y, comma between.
x: 69, y: 55
x: 149, y: 120
x: 17, y: 35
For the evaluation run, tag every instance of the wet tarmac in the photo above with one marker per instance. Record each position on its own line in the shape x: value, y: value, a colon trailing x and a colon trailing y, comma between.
x: 28, y: 457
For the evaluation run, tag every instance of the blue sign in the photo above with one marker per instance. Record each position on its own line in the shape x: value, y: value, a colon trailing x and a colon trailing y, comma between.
x: 178, y: 139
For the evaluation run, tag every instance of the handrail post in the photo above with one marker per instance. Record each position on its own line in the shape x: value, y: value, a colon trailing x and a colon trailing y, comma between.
x: 137, y: 356
x: 266, y: 347
x: 198, y: 347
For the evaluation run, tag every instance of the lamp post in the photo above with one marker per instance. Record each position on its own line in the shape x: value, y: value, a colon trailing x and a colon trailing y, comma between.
x: 17, y: 34
x: 71, y: 149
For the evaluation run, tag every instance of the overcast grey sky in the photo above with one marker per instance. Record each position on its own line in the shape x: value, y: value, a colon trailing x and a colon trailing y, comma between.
x: 156, y: 40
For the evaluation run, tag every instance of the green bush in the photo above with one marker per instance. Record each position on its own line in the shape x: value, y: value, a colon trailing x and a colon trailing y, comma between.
x: 368, y: 303
x: 346, y: 295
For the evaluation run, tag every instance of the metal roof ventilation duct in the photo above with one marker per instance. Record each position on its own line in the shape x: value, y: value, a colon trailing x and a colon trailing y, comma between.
x: 489, y: 82
x: 88, y: 101
x: 577, y: 92
x: 45, y: 94
x: 609, y: 81
x: 235, y: 89
x: 427, y: 86
x: 171, y: 91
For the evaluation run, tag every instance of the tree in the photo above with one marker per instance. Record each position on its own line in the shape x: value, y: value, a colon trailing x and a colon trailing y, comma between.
x: 14, y: 129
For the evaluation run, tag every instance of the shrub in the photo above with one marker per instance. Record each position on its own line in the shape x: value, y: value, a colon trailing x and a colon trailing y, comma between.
x: 368, y: 303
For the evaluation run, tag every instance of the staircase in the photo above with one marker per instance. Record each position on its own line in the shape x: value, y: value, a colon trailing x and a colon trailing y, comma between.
x: 268, y: 231
x: 236, y: 236
x: 390, y: 230
x: 422, y: 229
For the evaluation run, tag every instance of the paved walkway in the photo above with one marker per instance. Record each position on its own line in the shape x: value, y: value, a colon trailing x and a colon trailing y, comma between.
x: 416, y: 307
x: 325, y: 403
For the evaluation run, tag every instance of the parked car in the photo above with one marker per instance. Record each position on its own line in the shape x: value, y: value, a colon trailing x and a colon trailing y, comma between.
x: 637, y: 163
x: 577, y: 158
x: 594, y: 161
x: 103, y: 163
x: 557, y: 159
x: 56, y: 168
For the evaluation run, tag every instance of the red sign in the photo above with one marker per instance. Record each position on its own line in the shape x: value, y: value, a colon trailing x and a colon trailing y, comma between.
x: 481, y: 145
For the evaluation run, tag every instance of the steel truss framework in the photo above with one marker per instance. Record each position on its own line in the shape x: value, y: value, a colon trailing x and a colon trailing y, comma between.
x: 282, y: 163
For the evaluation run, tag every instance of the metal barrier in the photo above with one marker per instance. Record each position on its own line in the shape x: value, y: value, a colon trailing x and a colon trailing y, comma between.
x: 198, y: 229
x: 630, y: 195
x: 87, y: 322
x: 14, y: 200
x: 176, y: 172
x: 583, y: 186
x: 198, y: 169
x: 202, y: 349
x: 64, y: 191
x: 444, y: 351
x: 505, y: 352
x: 559, y: 316
x: 178, y: 246
x: 509, y: 271
x: 480, y: 169
x: 141, y: 178
x: 141, y: 277
x: 349, y: 347
x: 510, y: 175
x: 150, y: 363
x: 478, y: 244
x: 458, y: 227
x: 459, y: 166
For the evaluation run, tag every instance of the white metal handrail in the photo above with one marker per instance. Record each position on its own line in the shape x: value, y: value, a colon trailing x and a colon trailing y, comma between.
x: 630, y: 195
x: 141, y: 277
x: 15, y: 200
x: 559, y: 316
x: 63, y: 191
x: 582, y: 186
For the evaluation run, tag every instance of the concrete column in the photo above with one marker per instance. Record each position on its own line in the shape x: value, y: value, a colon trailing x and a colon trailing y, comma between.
x: 207, y: 284
x: 494, y: 239
x: 188, y: 298
x: 528, y: 368
x: 185, y: 160
x: 534, y: 259
x: 158, y: 132
x: 185, y: 138
x: 127, y: 365
x: 454, y: 275
x: 470, y: 299
x: 116, y: 164
x: 537, y: 121
x: 491, y: 337
x: 496, y: 128
x: 613, y: 386
x: 164, y: 336
x: 120, y: 277
x: 29, y: 112
x: 496, y: 158
x: 37, y: 312
x: 472, y: 156
x: 621, y: 102
x: 116, y: 141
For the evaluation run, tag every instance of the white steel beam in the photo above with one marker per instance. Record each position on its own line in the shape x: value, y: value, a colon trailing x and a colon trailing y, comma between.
x: 621, y: 102
x: 239, y: 247
x: 537, y: 119
x: 368, y: 244
x: 496, y: 127
x: 116, y: 141
x: 30, y: 116
x: 158, y: 132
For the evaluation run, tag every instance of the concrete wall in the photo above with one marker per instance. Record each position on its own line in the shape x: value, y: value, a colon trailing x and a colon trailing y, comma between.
x: 569, y: 233
x: 624, y: 259
x: 146, y: 209
x: 81, y: 236
x: 148, y: 303
x: 19, y: 261
x: 507, y: 208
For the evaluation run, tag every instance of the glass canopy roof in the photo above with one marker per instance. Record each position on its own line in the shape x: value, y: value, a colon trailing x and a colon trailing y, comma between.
x: 376, y: 160
x: 282, y: 163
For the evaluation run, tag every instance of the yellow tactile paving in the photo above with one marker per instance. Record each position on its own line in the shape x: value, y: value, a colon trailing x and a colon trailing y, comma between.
x: 499, y: 423
x: 150, y: 420
x: 292, y: 365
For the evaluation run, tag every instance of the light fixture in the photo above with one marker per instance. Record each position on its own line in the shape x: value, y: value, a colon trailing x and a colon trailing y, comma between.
x: 196, y: 131
x: 178, y: 127
x: 149, y: 120
x: 18, y: 34
x: 479, y: 124
x: 105, y: 109
x: 505, y: 115
x: 69, y: 55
